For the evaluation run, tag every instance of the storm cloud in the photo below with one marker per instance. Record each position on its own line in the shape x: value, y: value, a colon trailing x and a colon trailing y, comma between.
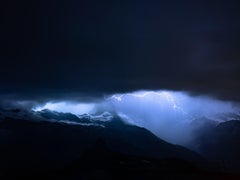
x: 175, y: 117
x: 57, y: 49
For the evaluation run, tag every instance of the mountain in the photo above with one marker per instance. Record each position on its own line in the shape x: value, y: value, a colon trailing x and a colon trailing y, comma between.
x: 36, y: 145
x: 48, y: 143
x: 222, y: 144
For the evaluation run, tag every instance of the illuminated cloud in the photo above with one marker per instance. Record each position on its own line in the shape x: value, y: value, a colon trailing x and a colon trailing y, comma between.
x: 171, y: 102
x: 168, y: 114
x: 68, y: 107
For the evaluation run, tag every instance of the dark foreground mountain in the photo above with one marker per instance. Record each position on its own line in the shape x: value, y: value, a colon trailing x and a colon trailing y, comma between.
x: 102, y: 147
x: 222, y: 144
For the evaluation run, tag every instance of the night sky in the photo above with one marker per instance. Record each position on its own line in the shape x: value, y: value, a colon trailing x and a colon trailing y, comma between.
x: 53, y: 48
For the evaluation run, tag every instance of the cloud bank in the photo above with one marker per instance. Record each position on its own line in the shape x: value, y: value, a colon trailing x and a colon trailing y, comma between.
x: 172, y: 116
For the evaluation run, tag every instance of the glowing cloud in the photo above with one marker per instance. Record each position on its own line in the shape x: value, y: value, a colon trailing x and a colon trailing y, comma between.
x: 68, y: 107
x: 170, y: 115
x: 171, y: 102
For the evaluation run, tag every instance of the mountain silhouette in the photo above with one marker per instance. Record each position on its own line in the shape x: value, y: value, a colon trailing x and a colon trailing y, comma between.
x: 105, y: 145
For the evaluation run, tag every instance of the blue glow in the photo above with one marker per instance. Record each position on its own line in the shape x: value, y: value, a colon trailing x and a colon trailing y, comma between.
x: 169, y: 103
x: 168, y: 114
x: 68, y: 107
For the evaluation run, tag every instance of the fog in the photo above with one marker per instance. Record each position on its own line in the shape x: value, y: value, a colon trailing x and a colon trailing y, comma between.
x: 170, y: 115
x: 67, y: 107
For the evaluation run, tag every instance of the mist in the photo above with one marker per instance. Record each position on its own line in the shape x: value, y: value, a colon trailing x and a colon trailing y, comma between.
x: 173, y: 116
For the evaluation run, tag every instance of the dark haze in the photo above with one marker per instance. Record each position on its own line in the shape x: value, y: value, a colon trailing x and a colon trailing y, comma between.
x: 56, y: 48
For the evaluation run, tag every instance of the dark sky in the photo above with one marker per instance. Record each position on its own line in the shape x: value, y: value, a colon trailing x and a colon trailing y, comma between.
x: 51, y: 47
